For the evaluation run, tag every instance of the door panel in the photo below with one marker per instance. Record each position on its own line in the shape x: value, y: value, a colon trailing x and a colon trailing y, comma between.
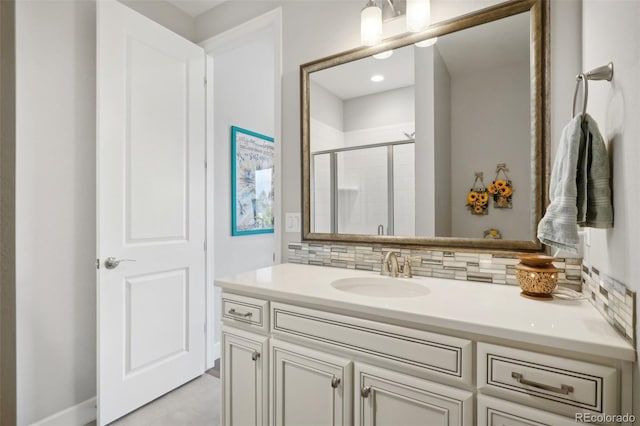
x: 245, y: 376
x: 151, y: 210
x: 387, y: 398
x: 310, y: 387
x: 157, y: 332
x: 155, y: 135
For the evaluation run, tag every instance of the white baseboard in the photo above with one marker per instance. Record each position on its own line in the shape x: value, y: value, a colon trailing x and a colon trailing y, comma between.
x: 78, y: 415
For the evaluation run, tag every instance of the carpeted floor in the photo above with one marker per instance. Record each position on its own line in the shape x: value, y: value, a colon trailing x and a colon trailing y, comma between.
x: 196, y: 403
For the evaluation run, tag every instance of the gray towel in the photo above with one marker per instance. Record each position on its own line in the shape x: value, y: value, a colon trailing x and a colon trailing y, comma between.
x: 558, y: 228
x: 593, y: 179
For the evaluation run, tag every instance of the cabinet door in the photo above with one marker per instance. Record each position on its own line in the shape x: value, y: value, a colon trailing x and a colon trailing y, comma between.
x: 386, y: 398
x: 310, y: 387
x: 245, y: 377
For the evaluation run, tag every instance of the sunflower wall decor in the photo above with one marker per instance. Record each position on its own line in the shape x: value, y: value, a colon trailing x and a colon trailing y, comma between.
x: 501, y: 188
x: 478, y: 196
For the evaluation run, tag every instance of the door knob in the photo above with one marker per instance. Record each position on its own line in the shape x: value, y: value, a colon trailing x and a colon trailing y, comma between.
x: 112, y: 262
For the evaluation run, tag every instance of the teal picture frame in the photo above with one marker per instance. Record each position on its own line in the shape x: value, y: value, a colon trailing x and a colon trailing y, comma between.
x: 252, y: 182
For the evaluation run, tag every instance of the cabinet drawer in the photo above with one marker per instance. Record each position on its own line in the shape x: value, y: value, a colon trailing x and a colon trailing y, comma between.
x: 239, y: 310
x: 497, y: 412
x: 427, y: 354
x: 556, y: 384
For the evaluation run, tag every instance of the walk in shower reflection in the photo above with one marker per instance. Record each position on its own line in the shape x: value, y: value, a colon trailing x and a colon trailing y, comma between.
x: 367, y: 189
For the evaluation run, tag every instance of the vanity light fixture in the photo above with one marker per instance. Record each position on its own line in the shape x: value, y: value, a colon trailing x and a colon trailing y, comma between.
x: 383, y: 55
x: 376, y: 78
x: 418, y: 15
x: 371, y: 24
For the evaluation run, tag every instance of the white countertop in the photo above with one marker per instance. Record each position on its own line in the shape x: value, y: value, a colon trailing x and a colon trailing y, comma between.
x: 487, y: 309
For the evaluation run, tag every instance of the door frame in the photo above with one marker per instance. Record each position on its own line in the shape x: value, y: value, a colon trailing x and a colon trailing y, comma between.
x: 214, y: 46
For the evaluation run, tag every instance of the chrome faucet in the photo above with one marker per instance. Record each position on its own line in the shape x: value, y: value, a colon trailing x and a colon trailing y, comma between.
x: 390, y: 265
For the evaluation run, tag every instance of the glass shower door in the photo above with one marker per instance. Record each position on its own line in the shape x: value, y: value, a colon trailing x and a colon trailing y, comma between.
x: 362, y: 190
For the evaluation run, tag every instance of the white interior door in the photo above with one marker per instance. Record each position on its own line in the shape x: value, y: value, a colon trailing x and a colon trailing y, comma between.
x: 151, y: 209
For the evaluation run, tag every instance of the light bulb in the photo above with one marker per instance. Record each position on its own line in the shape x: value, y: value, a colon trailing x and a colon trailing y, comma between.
x: 418, y: 15
x: 371, y: 24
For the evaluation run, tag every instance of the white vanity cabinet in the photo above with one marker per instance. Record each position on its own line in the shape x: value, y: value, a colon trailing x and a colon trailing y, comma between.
x: 315, y: 359
x: 311, y: 360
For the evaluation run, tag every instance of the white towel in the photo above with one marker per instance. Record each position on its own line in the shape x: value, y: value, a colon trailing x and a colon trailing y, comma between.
x: 558, y: 228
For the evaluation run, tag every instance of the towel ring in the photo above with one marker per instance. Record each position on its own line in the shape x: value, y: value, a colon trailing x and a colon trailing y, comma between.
x: 604, y: 72
x: 585, y: 96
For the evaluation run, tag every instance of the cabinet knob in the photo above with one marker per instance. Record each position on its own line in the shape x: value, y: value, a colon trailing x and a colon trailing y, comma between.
x: 365, y: 391
x: 255, y: 355
x: 335, y: 382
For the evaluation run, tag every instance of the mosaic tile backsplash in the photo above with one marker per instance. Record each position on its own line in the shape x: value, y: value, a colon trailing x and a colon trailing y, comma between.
x: 485, y: 267
x: 615, y: 301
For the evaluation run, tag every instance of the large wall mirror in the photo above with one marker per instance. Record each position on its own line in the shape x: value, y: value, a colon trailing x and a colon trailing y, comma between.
x: 393, y: 135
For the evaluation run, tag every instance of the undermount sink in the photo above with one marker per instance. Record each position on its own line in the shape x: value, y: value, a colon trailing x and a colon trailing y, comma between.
x: 380, y: 287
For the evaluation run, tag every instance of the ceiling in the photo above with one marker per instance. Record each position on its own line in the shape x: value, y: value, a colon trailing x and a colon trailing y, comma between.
x: 195, y: 7
x: 353, y: 79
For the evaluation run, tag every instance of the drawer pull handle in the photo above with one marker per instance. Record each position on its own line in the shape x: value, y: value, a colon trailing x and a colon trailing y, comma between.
x: 255, y: 355
x: 365, y: 391
x: 335, y: 382
x: 563, y: 389
x: 233, y: 311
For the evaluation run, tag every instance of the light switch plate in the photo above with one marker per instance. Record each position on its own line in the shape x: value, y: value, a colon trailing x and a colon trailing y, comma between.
x: 292, y: 222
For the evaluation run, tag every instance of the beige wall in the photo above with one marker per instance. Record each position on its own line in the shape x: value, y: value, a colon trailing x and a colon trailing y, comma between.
x: 475, y: 125
x: 166, y: 15
x: 610, y: 32
x: 310, y: 30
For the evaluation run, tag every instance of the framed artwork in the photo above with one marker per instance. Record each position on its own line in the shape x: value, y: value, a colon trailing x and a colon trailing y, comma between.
x: 252, y: 182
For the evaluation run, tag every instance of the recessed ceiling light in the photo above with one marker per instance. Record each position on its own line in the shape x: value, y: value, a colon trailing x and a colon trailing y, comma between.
x: 377, y: 78
x: 428, y: 42
x: 383, y: 55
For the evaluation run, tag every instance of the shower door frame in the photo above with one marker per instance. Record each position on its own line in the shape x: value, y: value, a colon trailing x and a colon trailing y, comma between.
x: 333, y: 177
